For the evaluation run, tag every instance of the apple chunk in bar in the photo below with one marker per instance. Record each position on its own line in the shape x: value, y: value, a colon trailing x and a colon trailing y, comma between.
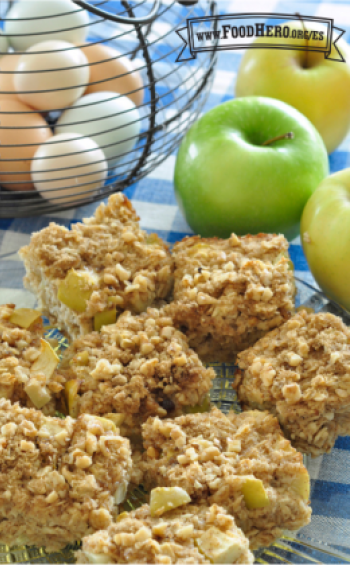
x: 229, y: 293
x: 85, y: 277
x: 60, y: 479
x: 241, y: 462
x: 27, y: 361
x: 301, y: 373
x: 187, y: 534
x: 139, y: 367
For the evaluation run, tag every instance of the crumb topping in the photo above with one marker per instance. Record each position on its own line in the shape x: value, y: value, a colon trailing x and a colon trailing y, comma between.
x: 138, y: 367
x: 227, y: 291
x: 139, y: 538
x: 301, y: 372
x: 60, y: 479
x: 20, y: 350
x: 126, y: 269
x: 212, y: 456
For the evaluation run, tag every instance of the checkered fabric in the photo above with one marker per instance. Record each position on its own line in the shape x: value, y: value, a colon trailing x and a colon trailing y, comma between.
x: 154, y: 200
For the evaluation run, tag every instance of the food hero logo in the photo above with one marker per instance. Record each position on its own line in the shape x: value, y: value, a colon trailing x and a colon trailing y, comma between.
x: 263, y: 30
x: 244, y: 31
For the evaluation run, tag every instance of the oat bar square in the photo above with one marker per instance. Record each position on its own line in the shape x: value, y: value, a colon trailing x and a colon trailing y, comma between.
x: 301, y: 373
x: 229, y: 293
x: 27, y: 361
x: 241, y: 462
x: 190, y: 534
x: 85, y: 277
x: 139, y: 367
x: 60, y: 479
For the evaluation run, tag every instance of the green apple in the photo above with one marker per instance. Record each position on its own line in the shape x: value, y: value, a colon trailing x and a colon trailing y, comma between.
x: 226, y: 179
x: 325, y: 236
x: 317, y: 87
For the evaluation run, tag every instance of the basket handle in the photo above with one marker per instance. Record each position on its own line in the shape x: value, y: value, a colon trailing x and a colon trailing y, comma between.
x: 120, y: 19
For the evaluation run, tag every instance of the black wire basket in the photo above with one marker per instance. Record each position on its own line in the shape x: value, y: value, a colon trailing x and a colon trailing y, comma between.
x: 164, y: 103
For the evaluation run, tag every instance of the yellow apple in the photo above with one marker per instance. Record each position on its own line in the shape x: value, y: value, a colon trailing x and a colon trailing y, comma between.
x: 46, y: 362
x: 254, y: 493
x: 71, y: 389
x: 24, y: 317
x: 105, y: 318
x: 45, y: 365
x: 116, y: 418
x: 325, y: 236
x: 163, y: 499
x: 219, y: 547
x: 75, y: 290
x: 317, y: 87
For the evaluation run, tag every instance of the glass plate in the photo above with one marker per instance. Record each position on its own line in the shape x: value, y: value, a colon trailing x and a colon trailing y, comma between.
x: 311, y: 544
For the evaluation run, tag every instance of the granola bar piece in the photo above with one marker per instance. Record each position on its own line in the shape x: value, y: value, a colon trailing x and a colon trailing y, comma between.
x: 190, y: 534
x: 230, y: 292
x: 139, y: 367
x: 60, y: 479
x: 301, y: 373
x: 241, y: 462
x: 86, y: 276
x: 27, y: 361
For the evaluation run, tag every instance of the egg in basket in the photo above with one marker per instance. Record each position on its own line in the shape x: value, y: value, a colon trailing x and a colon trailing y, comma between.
x: 91, y: 99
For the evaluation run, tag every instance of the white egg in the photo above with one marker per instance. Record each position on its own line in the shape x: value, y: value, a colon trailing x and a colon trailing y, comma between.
x: 51, y: 75
x: 111, y: 120
x: 4, y: 45
x: 68, y: 168
x: 31, y: 21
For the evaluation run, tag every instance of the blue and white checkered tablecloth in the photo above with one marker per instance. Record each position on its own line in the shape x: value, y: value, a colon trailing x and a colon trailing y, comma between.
x: 154, y: 199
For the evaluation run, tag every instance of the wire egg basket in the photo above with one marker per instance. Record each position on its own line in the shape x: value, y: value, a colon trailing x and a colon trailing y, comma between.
x: 172, y: 95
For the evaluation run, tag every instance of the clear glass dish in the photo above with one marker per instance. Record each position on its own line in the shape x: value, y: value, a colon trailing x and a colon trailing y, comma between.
x: 325, y: 540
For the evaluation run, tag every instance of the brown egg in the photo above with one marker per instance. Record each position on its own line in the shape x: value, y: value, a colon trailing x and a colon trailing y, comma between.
x: 20, y: 143
x: 106, y: 75
x: 8, y: 64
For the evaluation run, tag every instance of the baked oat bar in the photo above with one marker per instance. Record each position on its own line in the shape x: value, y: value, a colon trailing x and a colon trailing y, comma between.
x: 229, y: 293
x: 301, y: 373
x: 27, y: 361
x: 86, y: 276
x: 60, y: 479
x: 190, y: 534
x: 139, y: 367
x: 241, y: 462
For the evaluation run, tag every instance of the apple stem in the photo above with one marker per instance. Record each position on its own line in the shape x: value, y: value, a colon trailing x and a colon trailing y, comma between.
x: 305, y: 65
x: 289, y: 135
